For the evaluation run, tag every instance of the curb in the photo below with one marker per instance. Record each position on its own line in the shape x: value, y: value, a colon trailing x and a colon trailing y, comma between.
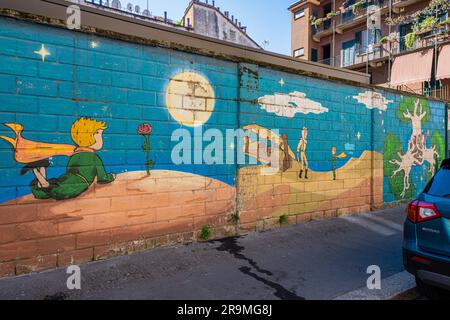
x: 396, y: 287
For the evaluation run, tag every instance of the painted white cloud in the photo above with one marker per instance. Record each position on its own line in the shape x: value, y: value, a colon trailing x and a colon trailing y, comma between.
x: 373, y: 100
x: 288, y: 105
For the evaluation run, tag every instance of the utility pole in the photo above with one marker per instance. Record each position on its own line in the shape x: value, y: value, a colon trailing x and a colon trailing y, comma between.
x: 390, y: 44
x: 333, y: 42
x: 367, y: 39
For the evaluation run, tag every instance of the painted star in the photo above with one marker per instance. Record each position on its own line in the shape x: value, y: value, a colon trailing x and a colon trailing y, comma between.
x: 281, y: 82
x: 94, y: 44
x: 43, y: 52
x: 359, y: 135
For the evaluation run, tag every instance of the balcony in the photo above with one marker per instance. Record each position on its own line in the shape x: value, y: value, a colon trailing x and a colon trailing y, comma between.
x: 398, y: 5
x: 350, y: 19
x: 323, y: 30
x: 374, y: 54
x: 423, y: 40
x: 440, y: 92
x: 333, y: 61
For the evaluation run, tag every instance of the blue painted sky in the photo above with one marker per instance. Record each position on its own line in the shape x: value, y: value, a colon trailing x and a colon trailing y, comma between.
x: 265, y: 19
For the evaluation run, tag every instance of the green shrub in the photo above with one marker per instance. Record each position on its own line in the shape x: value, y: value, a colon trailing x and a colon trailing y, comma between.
x: 283, y: 219
x: 205, y: 233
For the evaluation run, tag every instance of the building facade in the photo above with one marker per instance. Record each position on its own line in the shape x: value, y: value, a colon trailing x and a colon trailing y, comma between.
x: 381, y: 37
x: 208, y: 20
x: 203, y: 18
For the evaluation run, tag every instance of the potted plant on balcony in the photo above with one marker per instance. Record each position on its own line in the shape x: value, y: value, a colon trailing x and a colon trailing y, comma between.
x: 410, y: 40
x: 393, y: 37
x: 316, y: 22
x: 382, y: 41
x: 426, y: 25
x: 357, y: 6
x: 444, y: 23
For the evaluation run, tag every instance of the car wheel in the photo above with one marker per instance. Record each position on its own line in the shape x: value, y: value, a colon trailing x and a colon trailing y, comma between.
x: 429, y: 291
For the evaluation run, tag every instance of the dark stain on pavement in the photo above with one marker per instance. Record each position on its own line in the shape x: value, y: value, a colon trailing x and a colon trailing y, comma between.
x: 231, y: 246
x: 57, y: 296
x: 280, y: 291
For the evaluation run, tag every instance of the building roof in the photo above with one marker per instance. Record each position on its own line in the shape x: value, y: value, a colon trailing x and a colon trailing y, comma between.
x: 210, y: 6
x: 296, y: 3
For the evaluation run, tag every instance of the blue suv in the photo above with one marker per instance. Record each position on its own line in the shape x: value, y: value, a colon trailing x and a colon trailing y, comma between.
x: 426, y: 245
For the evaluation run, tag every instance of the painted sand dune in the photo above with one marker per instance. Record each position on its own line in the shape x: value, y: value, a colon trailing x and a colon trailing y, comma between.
x: 265, y: 196
x: 133, y: 207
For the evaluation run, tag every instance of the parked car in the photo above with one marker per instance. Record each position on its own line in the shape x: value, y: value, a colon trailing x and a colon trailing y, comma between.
x: 426, y: 245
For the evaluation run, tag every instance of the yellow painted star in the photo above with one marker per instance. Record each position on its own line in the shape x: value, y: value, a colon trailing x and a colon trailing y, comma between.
x: 43, y: 52
x: 282, y: 83
x: 94, y: 44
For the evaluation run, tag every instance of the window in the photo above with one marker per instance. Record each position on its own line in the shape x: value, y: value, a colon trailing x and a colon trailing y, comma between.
x: 232, y: 35
x: 348, y: 53
x: 439, y: 186
x: 298, y: 14
x: 366, y: 39
x: 299, y: 52
x: 314, y: 55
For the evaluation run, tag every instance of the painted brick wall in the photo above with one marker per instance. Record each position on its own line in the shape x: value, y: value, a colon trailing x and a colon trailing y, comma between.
x: 126, y: 85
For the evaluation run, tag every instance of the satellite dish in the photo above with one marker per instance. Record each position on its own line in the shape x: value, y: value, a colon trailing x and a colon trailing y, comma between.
x: 146, y: 13
x: 130, y: 7
x: 137, y: 9
x: 116, y: 4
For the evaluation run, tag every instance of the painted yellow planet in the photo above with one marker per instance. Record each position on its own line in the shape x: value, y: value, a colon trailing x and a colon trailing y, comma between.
x: 190, y: 99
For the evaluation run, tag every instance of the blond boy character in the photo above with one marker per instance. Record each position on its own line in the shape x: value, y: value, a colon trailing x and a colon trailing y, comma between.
x: 334, y: 157
x: 83, y: 166
x: 301, y: 153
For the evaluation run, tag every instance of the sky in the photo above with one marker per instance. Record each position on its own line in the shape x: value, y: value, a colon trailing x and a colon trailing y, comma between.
x: 266, y: 19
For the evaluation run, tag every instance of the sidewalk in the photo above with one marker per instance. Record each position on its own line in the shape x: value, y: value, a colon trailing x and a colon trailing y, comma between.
x: 318, y: 260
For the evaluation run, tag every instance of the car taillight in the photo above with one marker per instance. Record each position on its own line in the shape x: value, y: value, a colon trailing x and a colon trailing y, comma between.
x: 419, y: 211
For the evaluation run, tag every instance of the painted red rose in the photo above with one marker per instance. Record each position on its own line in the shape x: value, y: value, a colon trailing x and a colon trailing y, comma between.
x: 145, y: 129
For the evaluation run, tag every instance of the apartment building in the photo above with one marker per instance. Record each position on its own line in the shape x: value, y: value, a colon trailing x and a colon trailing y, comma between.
x: 404, y: 44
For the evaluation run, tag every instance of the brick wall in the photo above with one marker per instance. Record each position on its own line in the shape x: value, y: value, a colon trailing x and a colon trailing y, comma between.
x: 128, y: 84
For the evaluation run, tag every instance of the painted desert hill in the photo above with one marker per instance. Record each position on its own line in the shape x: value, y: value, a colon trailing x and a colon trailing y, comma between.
x: 284, y: 193
x: 132, y: 209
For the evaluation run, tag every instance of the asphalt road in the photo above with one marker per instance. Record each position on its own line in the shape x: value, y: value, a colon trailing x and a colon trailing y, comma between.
x: 317, y: 260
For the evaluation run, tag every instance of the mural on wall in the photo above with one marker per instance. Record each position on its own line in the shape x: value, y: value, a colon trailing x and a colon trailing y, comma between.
x: 289, y: 192
x: 125, y: 187
x: 399, y: 164
x: 288, y: 105
x: 334, y: 157
x: 301, y: 153
x: 145, y: 130
x: 373, y: 100
x: 83, y: 168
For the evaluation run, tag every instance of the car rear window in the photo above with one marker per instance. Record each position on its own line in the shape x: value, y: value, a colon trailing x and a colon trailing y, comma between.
x: 439, y: 186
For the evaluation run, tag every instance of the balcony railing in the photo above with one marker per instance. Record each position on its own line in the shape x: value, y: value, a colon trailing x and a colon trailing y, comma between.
x: 350, y: 16
x: 443, y: 92
x: 360, y: 55
x: 423, y: 40
x: 333, y: 61
x: 325, y: 26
